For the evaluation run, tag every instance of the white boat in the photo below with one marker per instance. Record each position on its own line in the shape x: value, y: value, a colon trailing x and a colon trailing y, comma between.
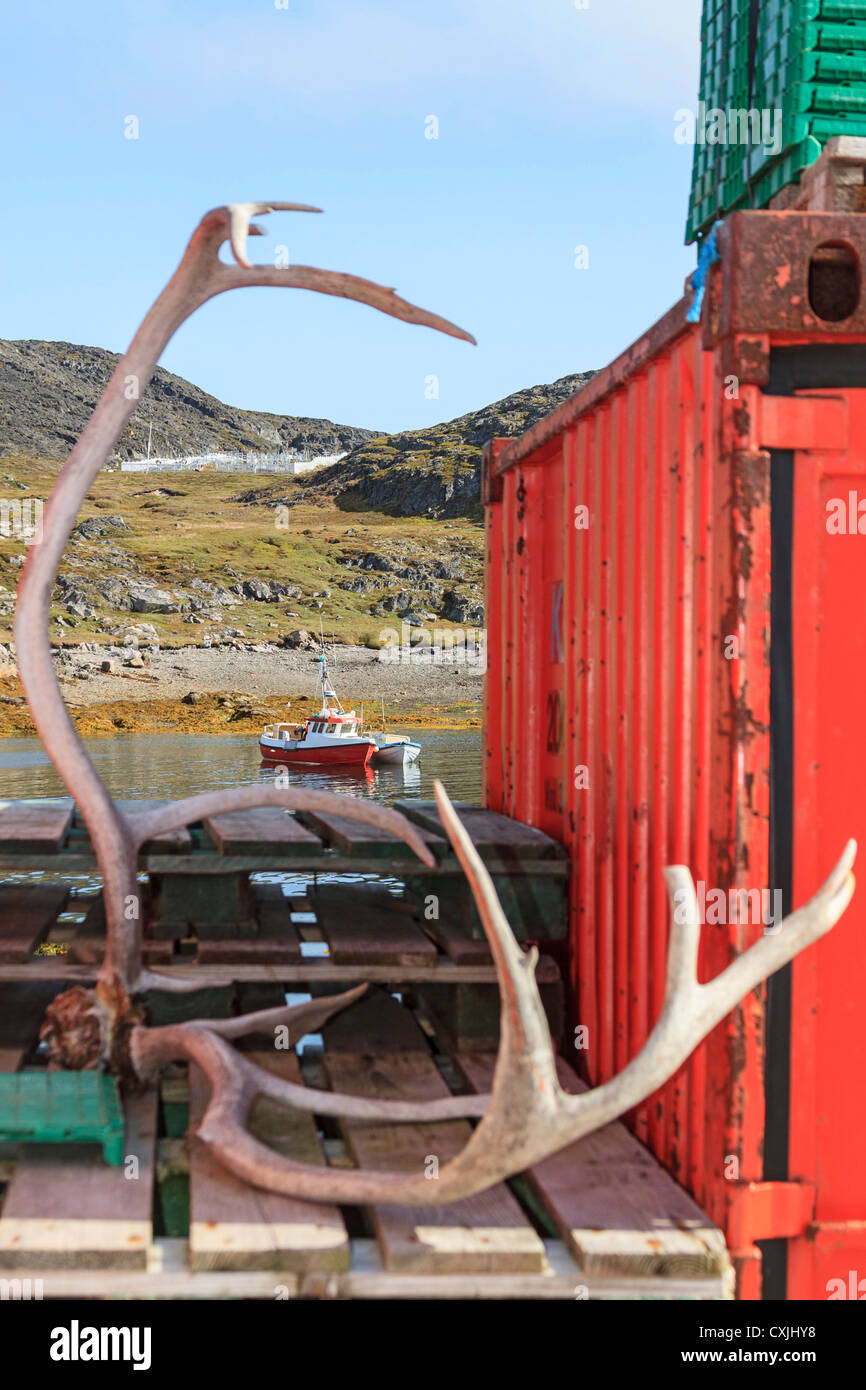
x: 394, y: 750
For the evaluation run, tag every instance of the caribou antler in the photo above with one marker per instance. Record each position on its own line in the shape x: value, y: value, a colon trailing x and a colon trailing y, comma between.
x: 527, y: 1115
x: 116, y: 837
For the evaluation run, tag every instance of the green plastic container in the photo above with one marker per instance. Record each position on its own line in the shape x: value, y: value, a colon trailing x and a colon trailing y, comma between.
x: 813, y: 67
x: 62, y: 1107
x: 790, y: 13
x: 810, y: 64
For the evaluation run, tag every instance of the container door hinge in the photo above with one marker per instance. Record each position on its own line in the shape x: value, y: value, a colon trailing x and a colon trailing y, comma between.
x: 768, y: 1210
x: 804, y: 422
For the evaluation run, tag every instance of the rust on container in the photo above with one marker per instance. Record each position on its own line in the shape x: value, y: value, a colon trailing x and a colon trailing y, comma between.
x: 667, y: 615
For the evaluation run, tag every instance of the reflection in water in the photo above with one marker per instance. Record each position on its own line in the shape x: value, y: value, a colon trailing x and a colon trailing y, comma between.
x: 169, y: 766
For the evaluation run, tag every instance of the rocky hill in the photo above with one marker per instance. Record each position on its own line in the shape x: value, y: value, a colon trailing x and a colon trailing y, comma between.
x: 47, y: 391
x: 226, y: 559
x: 430, y: 472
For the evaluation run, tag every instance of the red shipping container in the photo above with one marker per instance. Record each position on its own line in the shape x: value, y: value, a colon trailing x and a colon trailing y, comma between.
x: 675, y: 648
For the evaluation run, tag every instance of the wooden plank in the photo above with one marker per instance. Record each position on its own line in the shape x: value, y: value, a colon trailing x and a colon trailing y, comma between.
x: 203, y: 906
x: 169, y: 1276
x: 322, y: 970
x: 27, y: 914
x: 22, y: 1009
x: 34, y: 827
x: 277, y: 942
x: 492, y: 834
x: 352, y: 837
x: 262, y: 831
x: 235, y: 1226
x: 484, y: 1234
x: 361, y: 932
x: 66, y: 1208
x: 462, y: 949
x: 87, y: 946
x: 617, y: 1209
x: 207, y: 862
x: 377, y: 1023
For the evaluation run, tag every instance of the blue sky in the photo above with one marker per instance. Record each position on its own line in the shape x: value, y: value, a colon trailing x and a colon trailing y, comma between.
x: 555, y: 131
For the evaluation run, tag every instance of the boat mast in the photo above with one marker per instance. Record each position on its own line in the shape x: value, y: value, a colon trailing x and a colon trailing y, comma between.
x: 328, y: 691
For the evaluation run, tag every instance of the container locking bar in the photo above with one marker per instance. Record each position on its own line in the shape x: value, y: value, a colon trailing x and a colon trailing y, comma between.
x: 804, y: 422
x: 769, y: 1210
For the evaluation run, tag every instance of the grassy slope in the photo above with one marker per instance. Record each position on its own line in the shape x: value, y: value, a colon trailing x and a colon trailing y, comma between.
x: 202, y: 532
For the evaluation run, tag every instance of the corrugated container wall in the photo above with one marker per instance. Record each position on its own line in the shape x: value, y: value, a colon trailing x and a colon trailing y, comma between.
x: 675, y: 654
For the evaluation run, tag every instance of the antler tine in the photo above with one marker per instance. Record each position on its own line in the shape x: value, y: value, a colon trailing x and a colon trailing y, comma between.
x: 525, y: 1036
x: 151, y: 1046
x: 342, y: 286
x: 691, y: 1010
x: 775, y: 948
x: 239, y: 224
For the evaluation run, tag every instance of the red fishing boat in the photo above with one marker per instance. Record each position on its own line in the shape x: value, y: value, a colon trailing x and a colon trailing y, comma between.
x: 329, y: 738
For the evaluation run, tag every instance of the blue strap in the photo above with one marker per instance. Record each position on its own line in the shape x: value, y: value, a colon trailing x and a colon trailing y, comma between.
x: 698, y: 282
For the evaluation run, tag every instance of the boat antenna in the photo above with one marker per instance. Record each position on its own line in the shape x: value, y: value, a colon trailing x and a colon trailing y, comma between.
x: 383, y: 714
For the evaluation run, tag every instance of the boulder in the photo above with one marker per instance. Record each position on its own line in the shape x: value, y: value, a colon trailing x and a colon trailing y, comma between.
x: 95, y: 526
x: 256, y: 589
x: 300, y: 640
x: 150, y: 599
x: 358, y: 585
x: 140, y: 632
x: 458, y: 608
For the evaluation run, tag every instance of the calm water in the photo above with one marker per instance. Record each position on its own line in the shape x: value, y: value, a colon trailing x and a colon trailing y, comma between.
x: 165, y: 767
x: 168, y: 766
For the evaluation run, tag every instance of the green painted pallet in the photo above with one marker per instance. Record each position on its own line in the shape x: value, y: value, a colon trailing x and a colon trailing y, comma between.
x: 62, y: 1107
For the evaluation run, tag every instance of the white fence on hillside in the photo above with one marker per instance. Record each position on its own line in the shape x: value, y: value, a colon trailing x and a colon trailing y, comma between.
x: 232, y: 463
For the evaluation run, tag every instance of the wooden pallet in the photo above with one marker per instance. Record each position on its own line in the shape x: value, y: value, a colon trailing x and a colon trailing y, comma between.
x: 601, y: 1220
x: 369, y: 934
x: 200, y: 875
x: 248, y: 841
